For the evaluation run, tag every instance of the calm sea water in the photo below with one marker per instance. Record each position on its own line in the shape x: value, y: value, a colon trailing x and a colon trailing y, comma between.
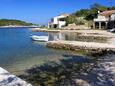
x: 18, y: 52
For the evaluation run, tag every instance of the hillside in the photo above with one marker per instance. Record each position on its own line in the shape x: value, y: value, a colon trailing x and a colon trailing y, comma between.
x: 7, y: 22
x: 86, y: 16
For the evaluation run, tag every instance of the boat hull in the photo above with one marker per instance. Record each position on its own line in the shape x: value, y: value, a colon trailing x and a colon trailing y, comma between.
x: 40, y: 38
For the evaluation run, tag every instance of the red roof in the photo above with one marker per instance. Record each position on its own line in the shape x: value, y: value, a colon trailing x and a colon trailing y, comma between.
x: 64, y: 14
x: 107, y: 13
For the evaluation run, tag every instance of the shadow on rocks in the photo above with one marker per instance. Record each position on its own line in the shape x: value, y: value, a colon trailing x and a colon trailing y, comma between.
x: 74, y: 71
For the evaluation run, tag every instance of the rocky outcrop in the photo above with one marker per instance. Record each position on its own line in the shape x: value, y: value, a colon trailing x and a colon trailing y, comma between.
x: 6, y: 79
x: 81, y: 82
x: 85, y: 46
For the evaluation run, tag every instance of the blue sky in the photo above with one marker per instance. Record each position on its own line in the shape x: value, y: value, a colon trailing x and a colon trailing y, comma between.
x: 40, y: 11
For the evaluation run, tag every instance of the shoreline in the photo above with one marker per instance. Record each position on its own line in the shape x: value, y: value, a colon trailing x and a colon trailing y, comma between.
x: 75, y: 45
x: 43, y: 30
x: 108, y: 45
x: 56, y: 30
x: 17, y: 27
x: 78, y: 45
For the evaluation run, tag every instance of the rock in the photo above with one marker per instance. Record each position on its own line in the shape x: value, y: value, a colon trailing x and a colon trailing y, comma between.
x: 7, y: 79
x: 80, y: 82
x: 77, y: 45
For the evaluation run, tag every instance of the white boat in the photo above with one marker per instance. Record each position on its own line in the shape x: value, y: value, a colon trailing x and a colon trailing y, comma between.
x: 40, y: 38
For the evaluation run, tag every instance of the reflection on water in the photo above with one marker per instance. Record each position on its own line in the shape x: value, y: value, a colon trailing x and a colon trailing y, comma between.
x: 56, y: 36
x: 73, y: 36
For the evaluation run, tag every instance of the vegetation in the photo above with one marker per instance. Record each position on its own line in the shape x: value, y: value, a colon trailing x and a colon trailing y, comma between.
x: 87, y: 15
x: 7, y: 22
x: 113, y: 8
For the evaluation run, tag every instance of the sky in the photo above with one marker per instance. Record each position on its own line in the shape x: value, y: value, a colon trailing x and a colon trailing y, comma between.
x: 40, y: 11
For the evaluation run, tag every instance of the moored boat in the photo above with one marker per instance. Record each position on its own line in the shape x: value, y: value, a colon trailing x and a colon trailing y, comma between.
x: 40, y: 38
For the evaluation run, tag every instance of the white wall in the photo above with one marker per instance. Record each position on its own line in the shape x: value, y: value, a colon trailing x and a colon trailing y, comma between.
x: 62, y: 23
x: 56, y: 20
x: 113, y: 17
x: 101, y: 18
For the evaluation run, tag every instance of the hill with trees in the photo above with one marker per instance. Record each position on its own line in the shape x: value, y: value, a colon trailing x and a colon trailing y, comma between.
x: 83, y: 16
x: 8, y: 22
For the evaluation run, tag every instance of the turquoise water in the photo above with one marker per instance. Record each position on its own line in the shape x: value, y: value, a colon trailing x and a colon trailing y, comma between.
x: 18, y: 52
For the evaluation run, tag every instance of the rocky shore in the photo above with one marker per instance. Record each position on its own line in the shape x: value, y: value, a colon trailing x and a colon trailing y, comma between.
x: 77, y: 45
x: 43, y: 30
x: 7, y: 79
x: 103, y: 74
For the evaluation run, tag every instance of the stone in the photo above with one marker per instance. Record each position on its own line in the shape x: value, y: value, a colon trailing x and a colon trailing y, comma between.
x: 80, y: 82
x: 7, y: 79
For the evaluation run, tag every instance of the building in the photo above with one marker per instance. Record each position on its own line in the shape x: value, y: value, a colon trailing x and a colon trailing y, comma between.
x: 105, y: 20
x: 58, y: 21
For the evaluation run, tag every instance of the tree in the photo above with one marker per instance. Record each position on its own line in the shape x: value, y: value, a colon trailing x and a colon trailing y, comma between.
x: 82, y: 12
x: 88, y: 14
x: 97, y: 7
x: 70, y: 19
x: 113, y: 8
x: 94, y: 11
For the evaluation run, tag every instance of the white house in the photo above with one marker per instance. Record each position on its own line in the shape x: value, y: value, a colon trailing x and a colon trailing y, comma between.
x: 58, y: 21
x: 105, y: 19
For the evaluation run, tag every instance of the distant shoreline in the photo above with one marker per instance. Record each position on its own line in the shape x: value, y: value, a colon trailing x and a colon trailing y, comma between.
x: 18, y: 26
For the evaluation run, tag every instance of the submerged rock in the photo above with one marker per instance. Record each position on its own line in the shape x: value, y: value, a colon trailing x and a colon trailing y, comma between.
x: 81, y: 82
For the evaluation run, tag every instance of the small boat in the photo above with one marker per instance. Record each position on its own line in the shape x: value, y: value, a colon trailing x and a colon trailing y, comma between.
x: 40, y: 38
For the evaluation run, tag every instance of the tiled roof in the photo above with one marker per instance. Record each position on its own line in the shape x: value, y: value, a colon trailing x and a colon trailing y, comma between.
x: 64, y: 14
x: 107, y: 13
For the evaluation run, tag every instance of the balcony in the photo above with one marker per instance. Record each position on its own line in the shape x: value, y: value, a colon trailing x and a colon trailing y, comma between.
x: 101, y: 18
